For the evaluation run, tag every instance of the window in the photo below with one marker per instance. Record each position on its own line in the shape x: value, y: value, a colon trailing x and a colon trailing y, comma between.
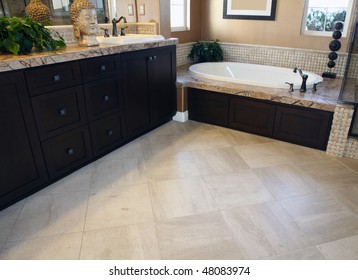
x: 180, y: 15
x: 320, y: 15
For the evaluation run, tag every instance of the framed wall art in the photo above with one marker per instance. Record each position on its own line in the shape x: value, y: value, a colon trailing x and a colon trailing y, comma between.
x: 250, y: 9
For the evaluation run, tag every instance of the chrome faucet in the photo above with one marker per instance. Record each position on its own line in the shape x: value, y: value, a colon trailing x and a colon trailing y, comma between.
x: 114, y: 29
x: 304, y: 79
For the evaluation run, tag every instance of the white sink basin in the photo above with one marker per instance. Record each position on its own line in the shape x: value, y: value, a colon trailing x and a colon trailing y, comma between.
x: 128, y: 39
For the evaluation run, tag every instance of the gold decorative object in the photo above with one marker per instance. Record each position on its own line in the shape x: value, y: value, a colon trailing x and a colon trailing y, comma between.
x: 37, y: 11
x: 84, y: 19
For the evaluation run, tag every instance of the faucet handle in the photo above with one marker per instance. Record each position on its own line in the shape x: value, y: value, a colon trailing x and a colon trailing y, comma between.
x: 291, y: 86
x: 106, y: 31
x: 315, y: 86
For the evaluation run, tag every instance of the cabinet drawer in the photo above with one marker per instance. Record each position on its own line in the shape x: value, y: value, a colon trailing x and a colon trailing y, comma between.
x: 67, y: 151
x: 102, y: 97
x: 49, y: 78
x: 106, y: 134
x: 59, y: 111
x: 306, y: 127
x: 252, y: 116
x: 99, y: 68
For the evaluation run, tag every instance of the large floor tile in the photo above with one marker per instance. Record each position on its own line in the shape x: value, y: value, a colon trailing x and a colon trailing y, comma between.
x: 329, y: 174
x: 200, y: 237
x: 47, y: 215
x: 114, y: 173
x: 321, y: 217
x: 310, y: 253
x: 237, y: 189
x: 239, y: 138
x: 343, y: 249
x: 180, y: 197
x: 59, y: 247
x: 218, y: 161
x: 182, y: 165
x: 299, y: 154
x: 75, y: 182
x: 207, y: 140
x: 8, y: 218
x: 130, y: 150
x: 350, y: 162
x: 264, y: 230
x: 162, y: 145
x: 173, y: 128
x: 348, y: 197
x: 262, y: 155
x: 122, y: 206
x: 286, y: 181
x: 132, y: 242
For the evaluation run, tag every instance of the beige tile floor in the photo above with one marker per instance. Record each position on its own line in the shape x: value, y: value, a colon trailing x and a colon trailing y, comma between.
x: 193, y: 191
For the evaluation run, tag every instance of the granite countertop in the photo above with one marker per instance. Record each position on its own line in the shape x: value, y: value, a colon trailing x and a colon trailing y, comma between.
x: 325, y: 98
x: 72, y: 52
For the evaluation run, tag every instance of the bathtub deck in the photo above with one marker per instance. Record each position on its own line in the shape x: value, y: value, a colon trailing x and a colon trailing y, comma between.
x: 325, y: 98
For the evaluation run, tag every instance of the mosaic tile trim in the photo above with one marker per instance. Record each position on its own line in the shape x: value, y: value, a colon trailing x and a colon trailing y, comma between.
x: 66, y: 31
x: 339, y: 144
x: 309, y: 60
x: 353, y: 67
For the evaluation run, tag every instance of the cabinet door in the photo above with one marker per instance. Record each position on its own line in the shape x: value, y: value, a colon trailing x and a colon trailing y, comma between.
x: 306, y: 127
x: 22, y: 167
x: 136, y: 91
x: 252, y: 116
x: 162, y: 77
x: 209, y: 107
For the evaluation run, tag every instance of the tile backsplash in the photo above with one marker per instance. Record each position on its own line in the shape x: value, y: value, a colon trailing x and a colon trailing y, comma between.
x: 66, y: 31
x: 309, y: 60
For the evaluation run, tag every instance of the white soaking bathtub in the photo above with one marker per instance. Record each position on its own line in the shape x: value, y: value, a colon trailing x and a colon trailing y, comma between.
x: 253, y: 74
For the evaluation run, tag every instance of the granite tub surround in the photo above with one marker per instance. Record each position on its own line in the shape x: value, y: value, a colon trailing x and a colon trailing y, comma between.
x: 73, y: 52
x: 325, y: 98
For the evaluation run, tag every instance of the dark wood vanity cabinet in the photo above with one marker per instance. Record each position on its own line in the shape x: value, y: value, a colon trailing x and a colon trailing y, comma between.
x: 149, y: 88
x: 58, y: 103
x: 104, y: 102
x: 55, y: 119
x: 22, y: 167
x: 299, y: 125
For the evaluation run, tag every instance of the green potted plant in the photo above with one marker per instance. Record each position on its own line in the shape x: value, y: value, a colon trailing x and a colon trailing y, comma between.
x: 21, y: 35
x: 206, y: 51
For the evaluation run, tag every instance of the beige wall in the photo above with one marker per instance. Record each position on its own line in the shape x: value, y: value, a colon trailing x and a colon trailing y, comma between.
x: 122, y: 8
x: 194, y: 34
x: 283, y: 32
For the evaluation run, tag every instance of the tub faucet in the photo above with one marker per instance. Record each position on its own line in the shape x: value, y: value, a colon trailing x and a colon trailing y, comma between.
x: 114, y: 29
x: 304, y: 79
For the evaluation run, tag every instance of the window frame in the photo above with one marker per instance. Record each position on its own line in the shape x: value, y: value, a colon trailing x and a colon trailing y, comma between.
x: 186, y: 16
x: 326, y: 33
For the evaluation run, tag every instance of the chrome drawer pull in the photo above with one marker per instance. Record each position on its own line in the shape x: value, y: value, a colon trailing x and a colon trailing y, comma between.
x: 62, y: 112
x: 106, y: 98
x: 70, y: 151
x: 56, y: 78
x: 110, y: 132
x: 103, y: 68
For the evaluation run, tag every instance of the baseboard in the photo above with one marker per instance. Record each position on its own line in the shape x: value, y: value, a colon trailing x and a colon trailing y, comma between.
x: 181, y: 116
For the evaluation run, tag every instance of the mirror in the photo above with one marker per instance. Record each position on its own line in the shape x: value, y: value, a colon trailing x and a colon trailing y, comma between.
x: 106, y: 9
